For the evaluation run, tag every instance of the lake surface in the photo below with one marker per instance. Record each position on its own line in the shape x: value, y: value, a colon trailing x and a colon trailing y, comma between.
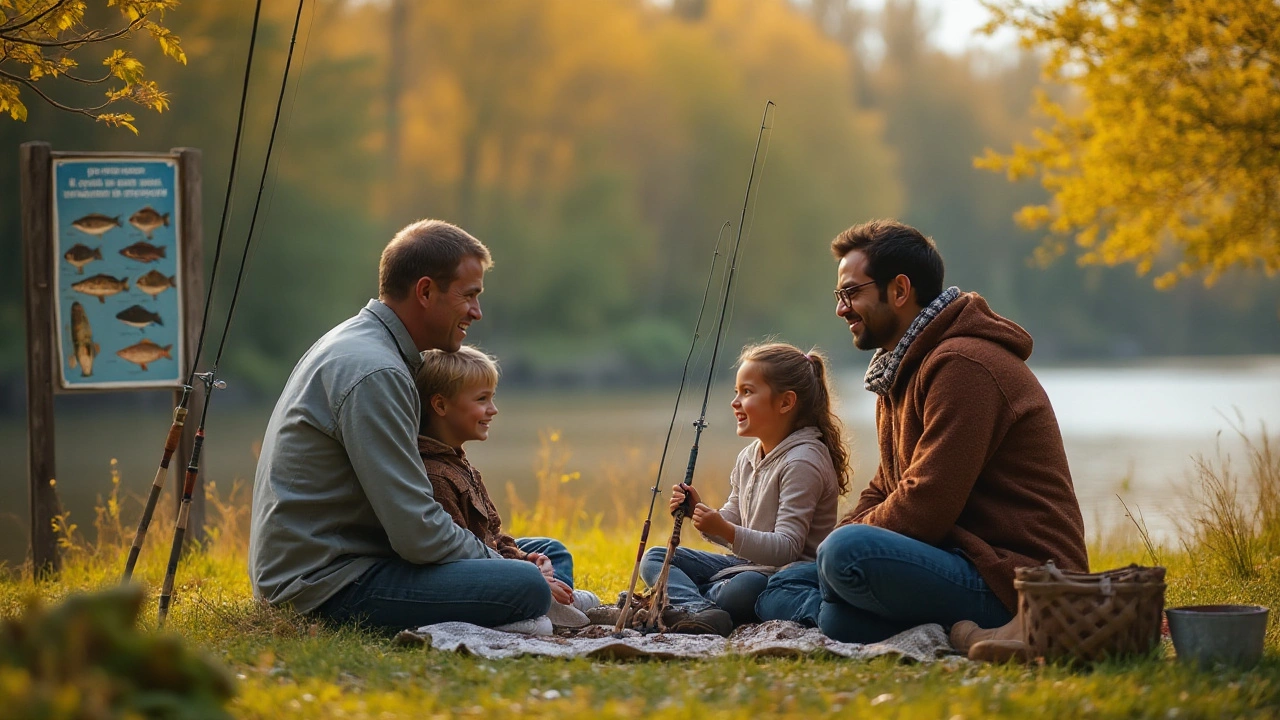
x: 1129, y: 430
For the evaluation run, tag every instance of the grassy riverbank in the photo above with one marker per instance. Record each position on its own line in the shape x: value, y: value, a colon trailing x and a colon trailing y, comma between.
x: 285, y: 665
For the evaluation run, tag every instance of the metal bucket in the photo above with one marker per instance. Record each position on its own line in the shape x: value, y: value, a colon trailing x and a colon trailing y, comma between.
x: 1218, y: 634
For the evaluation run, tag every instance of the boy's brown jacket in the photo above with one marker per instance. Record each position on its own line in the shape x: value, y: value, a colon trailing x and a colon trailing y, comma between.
x: 460, y: 491
x: 971, y: 457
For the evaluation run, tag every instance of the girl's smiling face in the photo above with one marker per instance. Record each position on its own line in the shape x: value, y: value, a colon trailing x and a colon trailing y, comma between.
x: 761, y: 413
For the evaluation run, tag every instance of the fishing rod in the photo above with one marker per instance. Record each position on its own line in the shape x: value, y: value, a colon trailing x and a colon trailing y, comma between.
x: 658, y: 595
x: 210, y: 378
x: 625, y: 617
x: 180, y: 412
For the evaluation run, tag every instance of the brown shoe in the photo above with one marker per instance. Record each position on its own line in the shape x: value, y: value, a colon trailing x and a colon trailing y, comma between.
x: 966, y: 633
x: 712, y: 621
x: 604, y: 615
x: 1000, y: 651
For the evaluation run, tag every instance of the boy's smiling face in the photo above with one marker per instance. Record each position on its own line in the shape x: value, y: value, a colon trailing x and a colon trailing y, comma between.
x: 465, y: 416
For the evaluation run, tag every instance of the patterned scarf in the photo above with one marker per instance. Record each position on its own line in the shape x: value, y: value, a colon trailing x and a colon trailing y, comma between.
x: 884, y: 365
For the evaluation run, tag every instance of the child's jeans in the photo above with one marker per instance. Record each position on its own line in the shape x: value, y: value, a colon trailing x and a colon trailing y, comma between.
x: 689, y: 585
x: 561, y: 560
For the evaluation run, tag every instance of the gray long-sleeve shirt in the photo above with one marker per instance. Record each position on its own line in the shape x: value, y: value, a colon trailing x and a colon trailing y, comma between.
x: 783, y: 503
x: 340, y: 484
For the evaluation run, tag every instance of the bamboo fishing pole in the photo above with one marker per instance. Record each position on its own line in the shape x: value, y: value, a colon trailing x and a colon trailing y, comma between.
x: 625, y: 616
x: 180, y: 412
x: 658, y: 596
x: 210, y: 378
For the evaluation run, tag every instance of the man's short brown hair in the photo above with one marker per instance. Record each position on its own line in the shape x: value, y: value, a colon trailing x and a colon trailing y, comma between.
x: 426, y: 248
x: 892, y: 249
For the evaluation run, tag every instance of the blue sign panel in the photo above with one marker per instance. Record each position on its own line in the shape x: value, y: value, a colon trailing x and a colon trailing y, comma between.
x: 118, y: 265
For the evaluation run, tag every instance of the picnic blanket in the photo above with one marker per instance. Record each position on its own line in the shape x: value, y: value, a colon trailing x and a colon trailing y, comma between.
x: 777, y: 638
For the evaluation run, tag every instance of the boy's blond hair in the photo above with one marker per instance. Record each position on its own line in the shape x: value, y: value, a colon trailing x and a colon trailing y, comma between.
x: 445, y: 373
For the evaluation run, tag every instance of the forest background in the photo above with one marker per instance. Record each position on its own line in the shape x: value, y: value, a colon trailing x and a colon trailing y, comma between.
x: 597, y: 148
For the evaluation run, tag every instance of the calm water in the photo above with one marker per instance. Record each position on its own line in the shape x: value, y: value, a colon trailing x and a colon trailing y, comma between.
x: 1129, y: 430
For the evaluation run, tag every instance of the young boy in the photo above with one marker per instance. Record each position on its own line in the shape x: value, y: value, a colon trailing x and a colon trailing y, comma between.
x: 457, y: 391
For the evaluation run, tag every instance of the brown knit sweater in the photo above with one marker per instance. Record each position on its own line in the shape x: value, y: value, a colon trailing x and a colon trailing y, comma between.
x: 460, y: 491
x: 971, y: 456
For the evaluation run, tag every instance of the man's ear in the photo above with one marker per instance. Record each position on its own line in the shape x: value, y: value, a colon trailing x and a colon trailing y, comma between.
x: 900, y: 291
x: 787, y: 402
x: 423, y: 288
x: 439, y: 405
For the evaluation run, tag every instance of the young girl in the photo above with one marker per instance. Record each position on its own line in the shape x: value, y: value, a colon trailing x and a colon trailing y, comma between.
x: 783, y: 491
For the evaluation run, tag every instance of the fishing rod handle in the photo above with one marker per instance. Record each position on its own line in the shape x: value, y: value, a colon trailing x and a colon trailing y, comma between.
x: 686, y: 508
x: 193, y: 468
x: 144, y: 524
x: 644, y: 540
x: 175, y: 552
x: 157, y: 485
x: 175, y: 435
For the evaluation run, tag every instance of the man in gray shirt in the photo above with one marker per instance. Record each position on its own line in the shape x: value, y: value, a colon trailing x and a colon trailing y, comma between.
x: 344, y: 523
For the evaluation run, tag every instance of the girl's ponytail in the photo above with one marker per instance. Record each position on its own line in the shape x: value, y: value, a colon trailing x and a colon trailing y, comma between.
x: 825, y: 419
x: 787, y: 368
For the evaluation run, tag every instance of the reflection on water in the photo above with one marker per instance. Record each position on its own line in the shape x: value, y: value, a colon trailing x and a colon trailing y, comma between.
x: 1129, y: 430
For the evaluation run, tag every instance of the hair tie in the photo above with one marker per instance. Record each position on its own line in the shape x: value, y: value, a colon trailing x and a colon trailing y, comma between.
x: 813, y: 360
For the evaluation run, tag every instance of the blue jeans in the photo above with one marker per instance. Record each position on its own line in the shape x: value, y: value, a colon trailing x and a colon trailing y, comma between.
x: 869, y: 584
x: 689, y: 585
x: 395, y: 595
x: 561, y: 559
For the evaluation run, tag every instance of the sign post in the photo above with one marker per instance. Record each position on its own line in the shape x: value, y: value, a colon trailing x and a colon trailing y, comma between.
x: 113, y: 287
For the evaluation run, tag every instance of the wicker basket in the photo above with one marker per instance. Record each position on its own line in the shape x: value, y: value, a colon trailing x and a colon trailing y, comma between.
x: 1088, y: 616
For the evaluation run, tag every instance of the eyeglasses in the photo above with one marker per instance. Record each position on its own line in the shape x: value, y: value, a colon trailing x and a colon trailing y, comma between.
x: 845, y: 294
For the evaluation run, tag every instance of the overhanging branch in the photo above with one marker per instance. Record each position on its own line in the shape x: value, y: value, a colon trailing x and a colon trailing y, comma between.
x: 46, y: 11
x: 46, y: 98
x: 92, y: 36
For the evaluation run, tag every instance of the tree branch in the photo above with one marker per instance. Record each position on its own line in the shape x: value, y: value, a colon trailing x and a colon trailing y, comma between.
x: 46, y: 11
x: 87, y: 81
x: 90, y: 37
x: 46, y: 98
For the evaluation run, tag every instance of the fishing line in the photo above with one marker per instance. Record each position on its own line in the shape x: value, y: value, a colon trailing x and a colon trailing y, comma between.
x: 657, y: 483
x: 251, y: 249
x: 764, y: 159
x: 658, y: 594
x: 210, y: 378
x: 227, y: 198
x: 180, y: 412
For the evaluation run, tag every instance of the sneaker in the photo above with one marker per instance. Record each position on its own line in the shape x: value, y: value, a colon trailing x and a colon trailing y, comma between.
x: 540, y: 625
x: 584, y: 600
x: 712, y: 621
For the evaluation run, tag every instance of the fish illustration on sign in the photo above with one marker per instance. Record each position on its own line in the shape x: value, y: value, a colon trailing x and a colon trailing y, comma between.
x: 101, y: 286
x: 147, y: 220
x: 143, y: 252
x: 138, y: 317
x: 156, y: 282
x: 96, y: 223
x: 145, y: 352
x: 83, y: 348
x: 81, y: 255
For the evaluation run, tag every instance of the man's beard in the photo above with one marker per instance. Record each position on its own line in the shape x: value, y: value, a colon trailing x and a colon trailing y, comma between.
x: 875, y: 332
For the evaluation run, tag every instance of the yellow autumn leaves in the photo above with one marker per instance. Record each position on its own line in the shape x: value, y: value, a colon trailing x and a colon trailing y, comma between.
x: 1168, y: 154
x: 39, y: 39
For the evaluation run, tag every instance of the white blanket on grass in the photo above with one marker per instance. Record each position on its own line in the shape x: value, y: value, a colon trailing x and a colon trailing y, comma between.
x: 774, y: 638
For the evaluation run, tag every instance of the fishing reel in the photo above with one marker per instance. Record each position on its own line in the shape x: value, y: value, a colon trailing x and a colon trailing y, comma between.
x: 210, y: 383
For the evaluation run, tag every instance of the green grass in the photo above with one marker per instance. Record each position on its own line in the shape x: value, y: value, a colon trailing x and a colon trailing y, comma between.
x: 286, y: 665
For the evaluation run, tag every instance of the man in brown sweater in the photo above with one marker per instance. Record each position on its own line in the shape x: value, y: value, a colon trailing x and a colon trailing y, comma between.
x: 973, y: 479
